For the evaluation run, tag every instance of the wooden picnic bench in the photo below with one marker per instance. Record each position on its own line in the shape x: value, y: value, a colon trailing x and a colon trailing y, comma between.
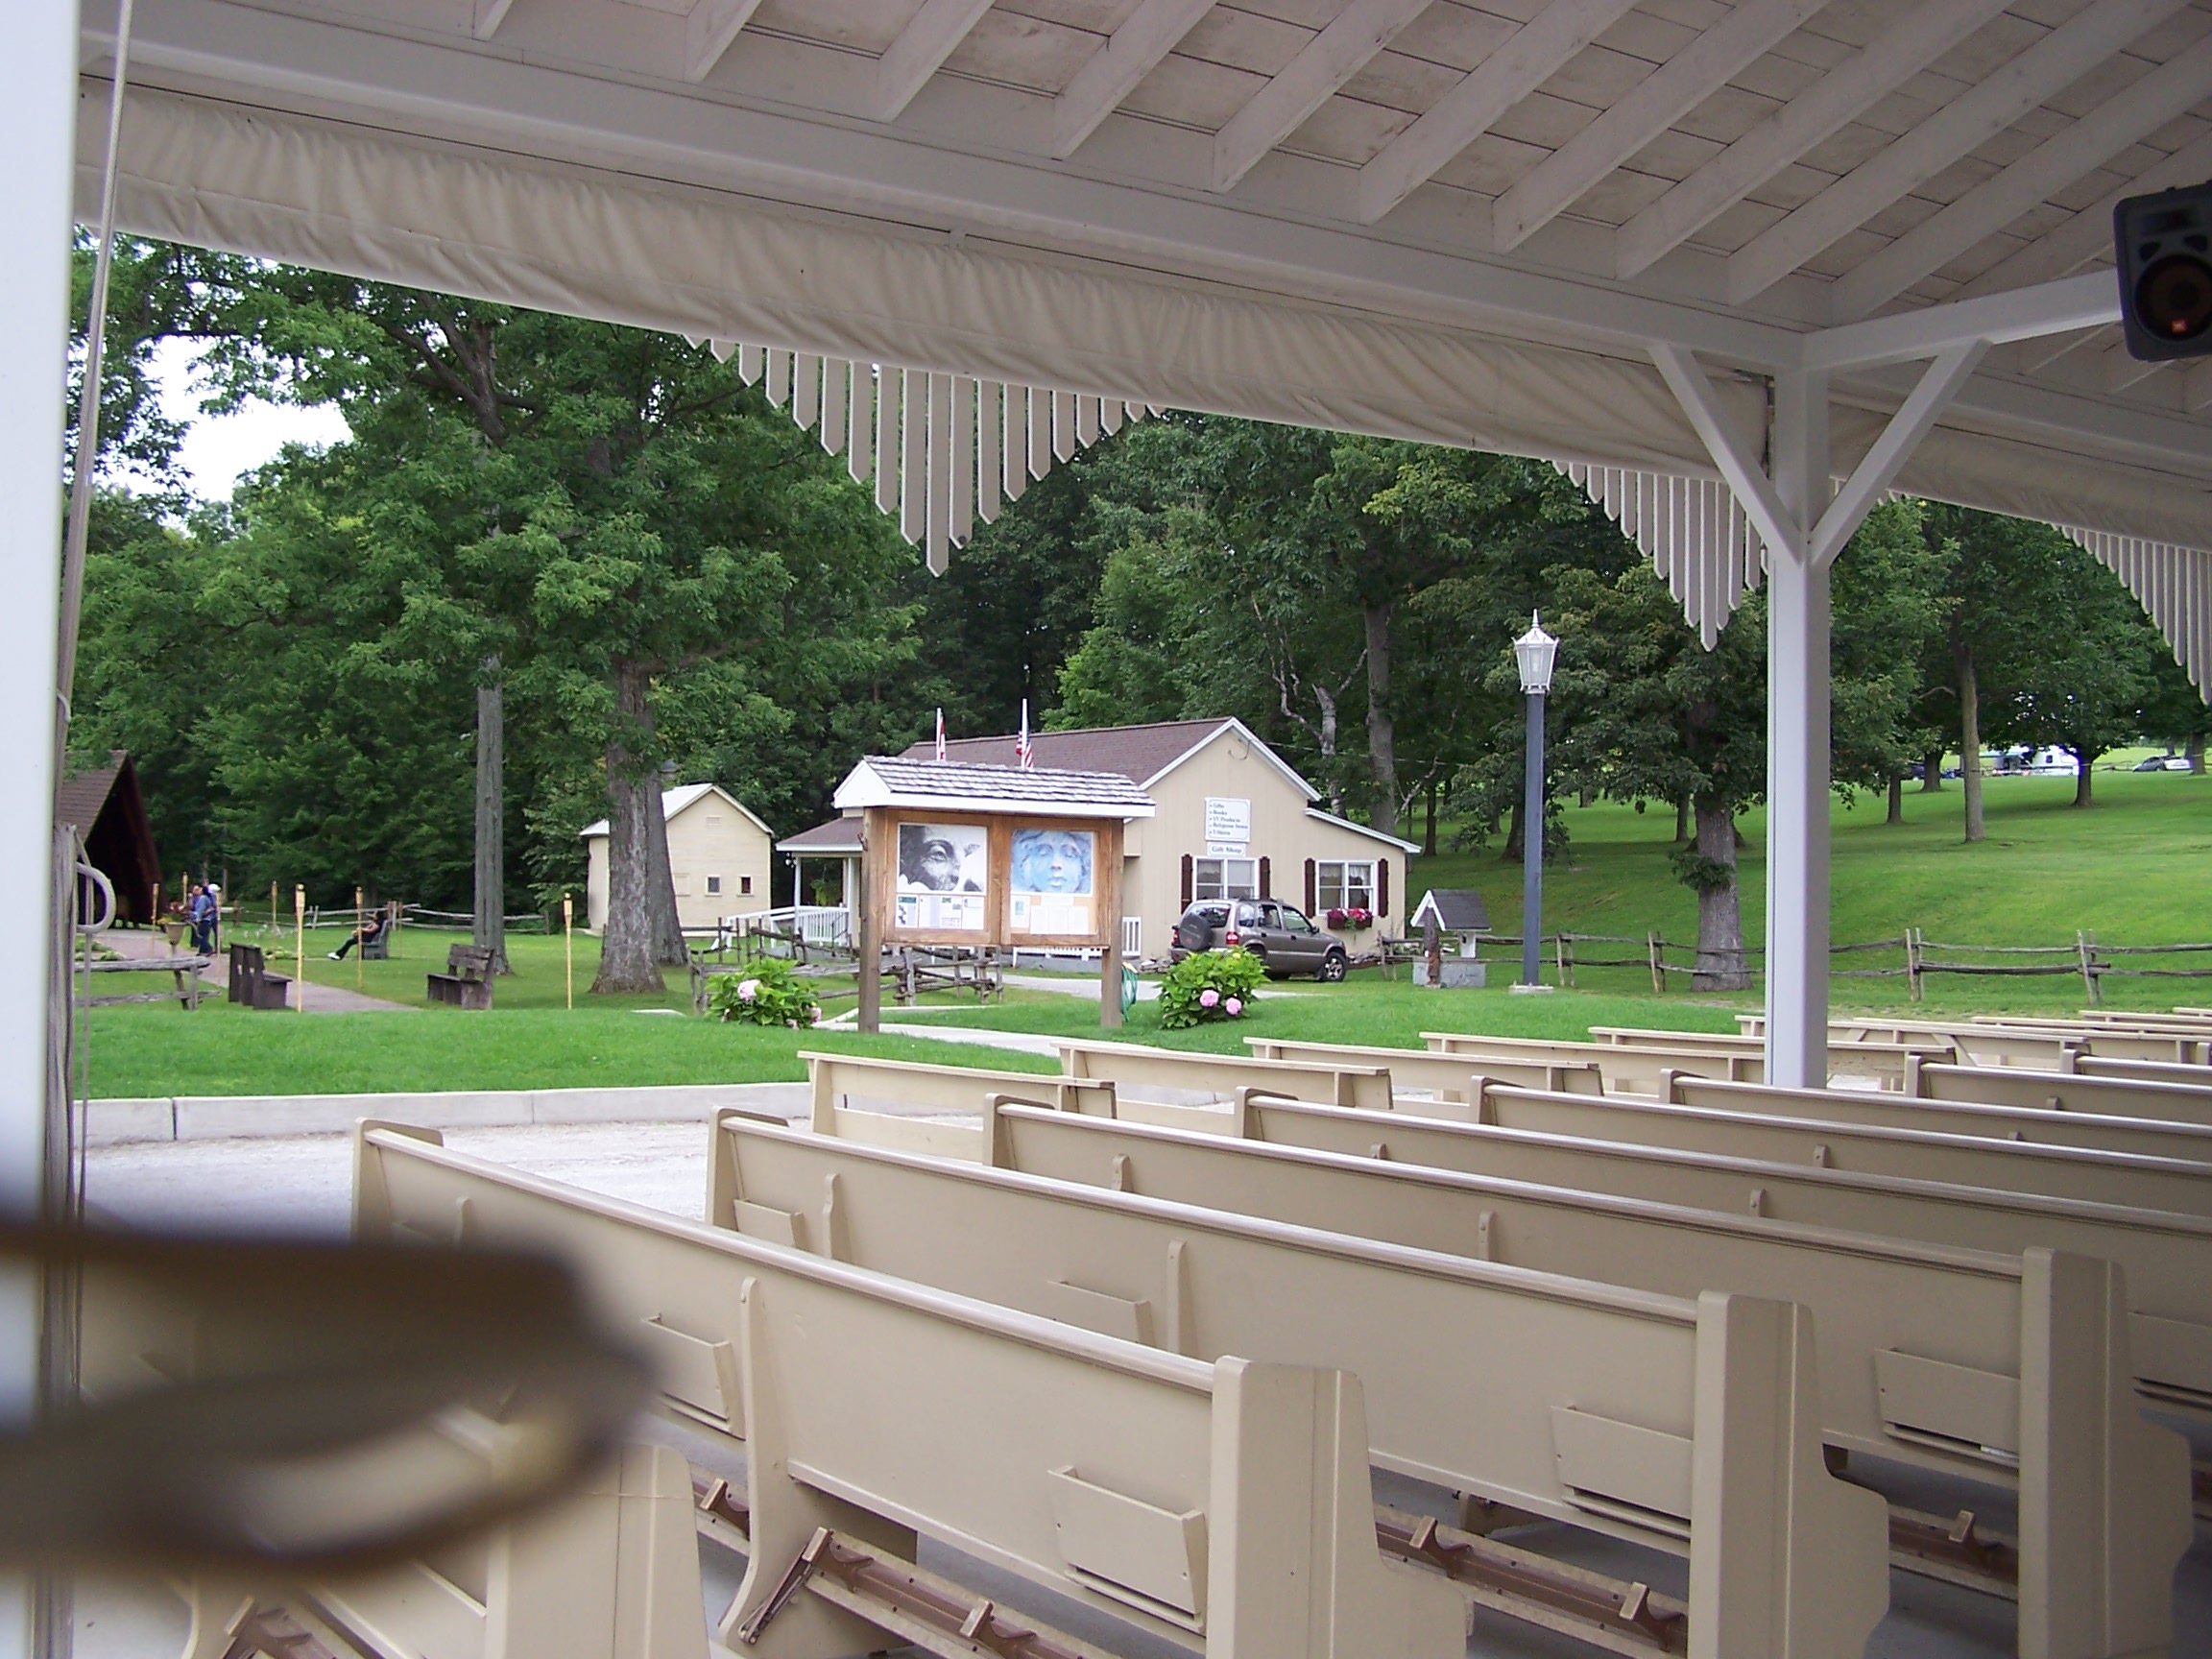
x: 467, y: 983
x: 253, y: 984
x: 185, y: 970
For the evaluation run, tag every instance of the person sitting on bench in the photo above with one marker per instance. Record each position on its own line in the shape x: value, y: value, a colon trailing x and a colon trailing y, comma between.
x: 367, y: 934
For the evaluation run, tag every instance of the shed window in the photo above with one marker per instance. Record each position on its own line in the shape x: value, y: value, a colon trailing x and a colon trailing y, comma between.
x: 1344, y: 885
x: 713, y: 886
x: 745, y: 885
x: 1225, y: 879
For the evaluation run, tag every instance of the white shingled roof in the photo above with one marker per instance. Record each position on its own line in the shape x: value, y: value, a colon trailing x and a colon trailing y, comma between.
x: 895, y: 781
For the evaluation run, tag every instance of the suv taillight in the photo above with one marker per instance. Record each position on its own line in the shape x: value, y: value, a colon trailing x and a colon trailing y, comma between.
x: 1231, y: 937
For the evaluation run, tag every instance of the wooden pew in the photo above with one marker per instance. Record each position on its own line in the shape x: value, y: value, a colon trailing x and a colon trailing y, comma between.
x: 2036, y: 1126
x: 2004, y: 1040
x: 1560, y: 1365
x: 2166, y: 1258
x: 1133, y: 1066
x: 1627, y: 1069
x: 1200, y: 1280
x: 2056, y: 1171
x: 1193, y: 1501
x: 2184, y: 1047
x: 2189, y: 1076
x: 839, y: 1080
x: 610, y: 1573
x: 1442, y: 1077
x: 2152, y: 1099
x: 1880, y: 1060
x: 1925, y: 1362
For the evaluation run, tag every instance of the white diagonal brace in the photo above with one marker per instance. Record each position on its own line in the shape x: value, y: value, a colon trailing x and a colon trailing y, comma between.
x: 1754, y: 492
x: 1985, y: 109
x: 1658, y: 101
x: 932, y: 36
x: 2118, y: 367
x: 1332, y: 58
x: 2089, y: 300
x: 2039, y: 354
x: 2088, y: 235
x: 1110, y: 74
x: 486, y: 16
x: 708, y: 31
x: 1878, y: 470
x: 2169, y: 90
x: 2197, y: 388
x: 1892, y: 58
x: 1523, y: 62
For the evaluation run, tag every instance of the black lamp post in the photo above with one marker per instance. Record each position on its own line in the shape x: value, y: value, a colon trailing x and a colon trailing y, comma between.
x: 1534, y: 650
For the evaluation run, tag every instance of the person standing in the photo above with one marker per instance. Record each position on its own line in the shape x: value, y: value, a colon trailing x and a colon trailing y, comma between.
x: 196, y: 919
x: 214, y: 918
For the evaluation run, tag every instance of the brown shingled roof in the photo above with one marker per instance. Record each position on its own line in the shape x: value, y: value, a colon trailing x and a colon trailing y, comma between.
x: 1139, y: 752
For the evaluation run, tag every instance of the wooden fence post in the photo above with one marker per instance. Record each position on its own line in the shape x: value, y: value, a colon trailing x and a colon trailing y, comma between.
x: 360, y: 951
x: 1658, y: 962
x: 2085, y: 947
x: 1566, y: 966
x: 568, y: 944
x: 1913, y: 962
x: 299, y: 942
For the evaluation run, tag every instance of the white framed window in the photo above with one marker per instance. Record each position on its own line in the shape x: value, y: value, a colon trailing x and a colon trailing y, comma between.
x: 713, y: 886
x: 1225, y: 879
x: 1344, y: 885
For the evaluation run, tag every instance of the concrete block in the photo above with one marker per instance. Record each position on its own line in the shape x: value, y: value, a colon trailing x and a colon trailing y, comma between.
x: 1459, y: 974
x: 116, y: 1122
x: 669, y: 1103
x: 250, y: 1117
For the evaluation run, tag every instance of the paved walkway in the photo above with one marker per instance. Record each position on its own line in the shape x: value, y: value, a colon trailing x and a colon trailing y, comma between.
x: 149, y: 943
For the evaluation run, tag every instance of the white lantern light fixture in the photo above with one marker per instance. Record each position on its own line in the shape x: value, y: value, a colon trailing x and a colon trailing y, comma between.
x: 1535, y: 650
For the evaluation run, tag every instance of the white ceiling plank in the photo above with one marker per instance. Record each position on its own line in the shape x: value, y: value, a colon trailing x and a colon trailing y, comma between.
x: 1110, y: 74
x: 487, y: 17
x: 1332, y: 58
x: 2088, y: 235
x: 1848, y: 90
x: 2117, y: 370
x: 1658, y: 101
x: 934, y: 34
x: 2038, y: 355
x: 713, y: 24
x: 1957, y: 130
x: 2197, y: 388
x: 1527, y: 58
x: 2173, y: 87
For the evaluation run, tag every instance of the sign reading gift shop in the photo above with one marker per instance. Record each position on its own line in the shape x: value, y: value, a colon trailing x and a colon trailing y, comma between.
x: 1010, y: 879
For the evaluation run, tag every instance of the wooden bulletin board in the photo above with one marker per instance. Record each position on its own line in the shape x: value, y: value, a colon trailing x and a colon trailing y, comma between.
x: 937, y: 877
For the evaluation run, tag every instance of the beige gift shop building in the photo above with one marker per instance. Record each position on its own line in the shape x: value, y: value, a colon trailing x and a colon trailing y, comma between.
x: 1232, y: 821
x: 718, y: 854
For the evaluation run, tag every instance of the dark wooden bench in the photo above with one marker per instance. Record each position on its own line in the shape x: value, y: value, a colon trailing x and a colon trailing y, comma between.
x: 253, y: 984
x: 467, y: 983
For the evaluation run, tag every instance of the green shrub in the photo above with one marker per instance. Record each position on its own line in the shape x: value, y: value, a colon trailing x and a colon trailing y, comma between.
x: 770, y: 995
x: 1209, y: 985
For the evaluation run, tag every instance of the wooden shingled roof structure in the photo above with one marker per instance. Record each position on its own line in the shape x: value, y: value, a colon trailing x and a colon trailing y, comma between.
x: 109, y: 809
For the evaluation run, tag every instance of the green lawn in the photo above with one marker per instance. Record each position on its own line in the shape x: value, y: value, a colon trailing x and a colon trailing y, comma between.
x: 2136, y: 869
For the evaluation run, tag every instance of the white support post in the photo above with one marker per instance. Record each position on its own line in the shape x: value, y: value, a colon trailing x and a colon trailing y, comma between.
x: 37, y: 121
x: 1797, y: 760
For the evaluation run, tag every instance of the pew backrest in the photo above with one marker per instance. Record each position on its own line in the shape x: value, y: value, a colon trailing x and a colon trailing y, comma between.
x: 1442, y: 1078
x: 1136, y: 1070
x: 2152, y: 1099
x: 848, y: 1092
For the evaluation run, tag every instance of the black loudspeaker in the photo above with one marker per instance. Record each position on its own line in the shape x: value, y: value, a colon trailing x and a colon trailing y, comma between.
x: 2164, y: 247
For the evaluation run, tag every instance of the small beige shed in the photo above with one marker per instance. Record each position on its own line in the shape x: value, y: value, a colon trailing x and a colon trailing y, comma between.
x: 718, y: 852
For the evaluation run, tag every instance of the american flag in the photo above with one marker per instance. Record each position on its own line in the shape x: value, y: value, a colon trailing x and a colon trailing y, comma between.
x: 940, y: 734
x: 1024, y: 753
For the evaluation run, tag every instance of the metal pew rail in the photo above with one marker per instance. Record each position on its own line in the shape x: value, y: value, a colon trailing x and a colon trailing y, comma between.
x: 1944, y: 1357
x: 1596, y: 1402
x: 1203, y: 1504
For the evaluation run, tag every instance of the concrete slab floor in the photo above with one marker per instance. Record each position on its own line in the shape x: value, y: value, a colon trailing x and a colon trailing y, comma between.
x: 302, y: 1187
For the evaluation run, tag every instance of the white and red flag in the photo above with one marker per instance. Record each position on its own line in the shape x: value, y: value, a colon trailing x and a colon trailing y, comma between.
x: 1025, y: 753
x: 940, y: 734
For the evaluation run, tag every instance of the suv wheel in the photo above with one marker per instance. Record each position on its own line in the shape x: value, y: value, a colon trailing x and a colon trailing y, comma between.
x: 1334, y: 967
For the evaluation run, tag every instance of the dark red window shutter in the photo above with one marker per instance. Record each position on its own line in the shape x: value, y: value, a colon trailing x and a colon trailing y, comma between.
x: 1267, y: 879
x: 1311, y: 886
x: 1381, y: 886
x: 1187, y: 889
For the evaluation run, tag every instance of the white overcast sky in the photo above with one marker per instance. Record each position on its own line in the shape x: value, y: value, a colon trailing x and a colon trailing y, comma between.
x: 220, y: 447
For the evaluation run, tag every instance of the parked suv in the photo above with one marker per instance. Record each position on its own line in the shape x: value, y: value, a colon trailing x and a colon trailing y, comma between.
x: 1281, y: 935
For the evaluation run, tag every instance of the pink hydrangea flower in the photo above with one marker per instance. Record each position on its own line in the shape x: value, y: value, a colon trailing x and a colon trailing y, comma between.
x: 748, y: 989
x: 1208, y: 998
x: 1235, y: 1005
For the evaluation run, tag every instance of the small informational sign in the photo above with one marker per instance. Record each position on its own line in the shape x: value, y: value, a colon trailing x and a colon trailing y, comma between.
x: 1228, y: 819
x: 1224, y: 849
x: 942, y: 875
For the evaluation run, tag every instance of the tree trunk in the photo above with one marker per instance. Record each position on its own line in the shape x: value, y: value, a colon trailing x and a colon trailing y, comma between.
x: 1932, y: 773
x: 2083, y: 760
x: 1513, y: 832
x: 1720, y: 916
x: 1896, y: 798
x: 668, y: 947
x: 2195, y: 749
x: 629, y: 953
x: 489, y: 928
x: 1681, y: 819
x: 1381, y: 736
x: 1969, y: 734
x: 1429, y: 831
